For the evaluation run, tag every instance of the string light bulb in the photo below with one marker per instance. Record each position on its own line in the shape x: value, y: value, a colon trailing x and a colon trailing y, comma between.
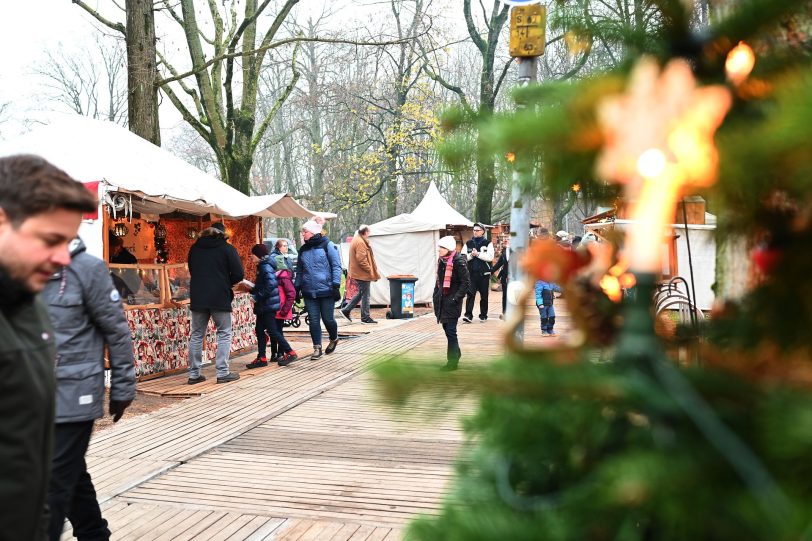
x: 740, y: 62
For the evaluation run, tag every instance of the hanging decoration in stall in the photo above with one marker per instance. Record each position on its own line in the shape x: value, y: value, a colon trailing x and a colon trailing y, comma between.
x: 161, y: 252
x: 120, y: 229
x: 119, y: 203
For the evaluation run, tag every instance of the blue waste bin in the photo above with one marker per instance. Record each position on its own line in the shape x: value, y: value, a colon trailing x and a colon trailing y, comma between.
x: 401, y: 296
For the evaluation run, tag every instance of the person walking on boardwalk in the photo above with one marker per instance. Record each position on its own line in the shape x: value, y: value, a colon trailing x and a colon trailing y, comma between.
x: 501, y: 267
x: 364, y: 271
x: 266, y: 305
x: 544, y: 302
x: 449, y: 291
x: 215, y: 268
x: 479, y: 254
x: 318, y: 281
x: 287, y: 294
x: 87, y: 315
x: 41, y: 208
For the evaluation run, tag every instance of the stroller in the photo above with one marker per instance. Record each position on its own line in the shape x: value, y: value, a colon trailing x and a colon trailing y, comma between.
x: 297, y: 312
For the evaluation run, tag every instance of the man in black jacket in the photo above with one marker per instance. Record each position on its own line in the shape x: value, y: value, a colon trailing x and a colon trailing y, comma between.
x: 215, y: 268
x: 479, y: 253
x: 501, y: 267
x: 40, y: 211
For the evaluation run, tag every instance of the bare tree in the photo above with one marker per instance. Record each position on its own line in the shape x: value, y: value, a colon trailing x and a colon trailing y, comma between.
x: 88, y: 81
x: 139, y: 34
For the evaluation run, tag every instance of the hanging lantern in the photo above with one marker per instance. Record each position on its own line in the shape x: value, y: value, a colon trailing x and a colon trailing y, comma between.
x: 120, y: 229
x: 191, y: 233
x: 160, y: 231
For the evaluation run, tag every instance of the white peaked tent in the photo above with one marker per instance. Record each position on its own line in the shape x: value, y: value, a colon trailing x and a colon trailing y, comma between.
x: 154, y: 180
x: 435, y: 209
x: 407, y: 244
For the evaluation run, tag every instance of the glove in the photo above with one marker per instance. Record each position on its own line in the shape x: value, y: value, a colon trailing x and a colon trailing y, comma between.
x: 336, y: 293
x: 117, y: 408
x: 298, y: 295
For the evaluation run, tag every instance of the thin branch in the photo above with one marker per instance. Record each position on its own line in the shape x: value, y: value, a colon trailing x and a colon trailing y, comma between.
x: 502, y: 75
x: 279, y: 43
x: 119, y: 27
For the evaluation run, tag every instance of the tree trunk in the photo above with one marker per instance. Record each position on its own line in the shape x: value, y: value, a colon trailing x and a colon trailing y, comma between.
x: 486, y: 183
x: 142, y: 95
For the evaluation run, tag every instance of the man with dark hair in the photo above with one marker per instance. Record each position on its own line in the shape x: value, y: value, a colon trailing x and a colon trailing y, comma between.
x: 215, y: 267
x: 479, y: 252
x: 41, y: 208
x: 87, y: 316
x: 119, y: 254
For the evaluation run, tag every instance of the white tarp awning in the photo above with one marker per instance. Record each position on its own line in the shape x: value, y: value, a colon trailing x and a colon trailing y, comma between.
x: 95, y: 150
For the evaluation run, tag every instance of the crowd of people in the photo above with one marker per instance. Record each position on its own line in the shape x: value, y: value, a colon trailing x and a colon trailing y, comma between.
x: 52, y: 346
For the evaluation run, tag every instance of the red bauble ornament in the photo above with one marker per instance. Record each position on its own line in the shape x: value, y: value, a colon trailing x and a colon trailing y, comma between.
x: 766, y: 259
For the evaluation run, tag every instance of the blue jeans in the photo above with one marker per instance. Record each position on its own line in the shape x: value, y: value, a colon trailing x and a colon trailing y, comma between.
x: 268, y: 322
x: 222, y: 322
x: 453, y: 352
x: 321, y: 309
x: 547, y: 314
x: 363, y: 296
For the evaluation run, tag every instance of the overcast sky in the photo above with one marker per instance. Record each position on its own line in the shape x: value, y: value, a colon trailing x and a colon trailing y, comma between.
x: 30, y: 27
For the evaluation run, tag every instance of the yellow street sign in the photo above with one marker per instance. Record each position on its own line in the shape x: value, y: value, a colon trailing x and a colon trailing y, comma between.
x: 528, y: 26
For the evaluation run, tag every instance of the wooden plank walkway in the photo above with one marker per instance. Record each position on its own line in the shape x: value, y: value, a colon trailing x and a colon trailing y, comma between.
x: 306, y: 451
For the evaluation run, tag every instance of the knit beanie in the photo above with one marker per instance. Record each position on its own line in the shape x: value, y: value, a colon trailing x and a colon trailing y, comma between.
x: 314, y: 225
x: 448, y: 242
x: 259, y: 250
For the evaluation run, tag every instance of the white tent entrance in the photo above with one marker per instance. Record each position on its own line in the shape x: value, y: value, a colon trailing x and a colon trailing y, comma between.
x: 407, y: 244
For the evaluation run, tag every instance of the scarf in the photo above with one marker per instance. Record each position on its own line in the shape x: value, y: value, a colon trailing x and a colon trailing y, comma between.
x: 449, y: 267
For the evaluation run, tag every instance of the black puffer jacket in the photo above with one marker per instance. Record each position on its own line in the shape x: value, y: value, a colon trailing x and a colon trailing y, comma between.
x: 449, y: 307
x: 215, y: 267
x: 266, y: 288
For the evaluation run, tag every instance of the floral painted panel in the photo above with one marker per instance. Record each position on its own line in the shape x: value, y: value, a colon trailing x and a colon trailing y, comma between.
x: 161, y: 336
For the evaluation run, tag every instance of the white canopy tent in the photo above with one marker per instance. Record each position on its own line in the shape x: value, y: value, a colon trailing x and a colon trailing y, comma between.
x: 95, y: 150
x: 407, y: 244
x: 152, y: 180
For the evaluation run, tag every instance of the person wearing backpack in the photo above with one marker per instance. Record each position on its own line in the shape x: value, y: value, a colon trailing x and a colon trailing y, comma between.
x: 318, y: 281
x: 544, y: 302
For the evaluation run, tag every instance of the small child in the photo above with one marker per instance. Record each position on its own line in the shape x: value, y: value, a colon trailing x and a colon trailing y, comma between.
x: 544, y: 302
x: 287, y: 294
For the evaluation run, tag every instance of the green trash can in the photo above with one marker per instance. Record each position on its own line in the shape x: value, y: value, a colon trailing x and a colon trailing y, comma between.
x: 401, y: 296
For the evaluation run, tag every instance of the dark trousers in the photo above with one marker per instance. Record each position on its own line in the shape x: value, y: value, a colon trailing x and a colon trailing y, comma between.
x: 268, y: 322
x: 321, y: 309
x: 71, y: 493
x: 504, y: 298
x: 453, y: 353
x: 481, y: 284
x: 363, y: 296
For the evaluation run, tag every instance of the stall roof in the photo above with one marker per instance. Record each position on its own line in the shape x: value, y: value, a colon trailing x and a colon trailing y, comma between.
x: 435, y: 209
x: 97, y: 150
x: 402, y: 223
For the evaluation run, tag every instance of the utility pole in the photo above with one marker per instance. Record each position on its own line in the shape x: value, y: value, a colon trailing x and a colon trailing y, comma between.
x: 527, y: 37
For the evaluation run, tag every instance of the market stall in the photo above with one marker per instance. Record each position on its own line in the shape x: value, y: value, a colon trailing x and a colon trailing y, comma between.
x: 155, y: 205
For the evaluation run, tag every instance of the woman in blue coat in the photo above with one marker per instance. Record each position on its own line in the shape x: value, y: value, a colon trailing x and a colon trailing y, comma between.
x: 318, y: 281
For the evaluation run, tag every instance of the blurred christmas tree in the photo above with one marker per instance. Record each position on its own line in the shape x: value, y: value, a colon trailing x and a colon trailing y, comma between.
x: 643, y: 447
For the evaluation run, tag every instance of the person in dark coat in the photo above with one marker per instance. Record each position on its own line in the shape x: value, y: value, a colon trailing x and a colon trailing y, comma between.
x: 41, y: 208
x: 449, y: 291
x: 87, y: 315
x: 318, y: 279
x: 502, y: 268
x: 215, y: 268
x: 119, y: 254
x: 266, y: 305
x: 479, y: 253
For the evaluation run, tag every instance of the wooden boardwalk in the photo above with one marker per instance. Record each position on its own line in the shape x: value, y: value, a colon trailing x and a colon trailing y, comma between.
x: 302, y: 452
